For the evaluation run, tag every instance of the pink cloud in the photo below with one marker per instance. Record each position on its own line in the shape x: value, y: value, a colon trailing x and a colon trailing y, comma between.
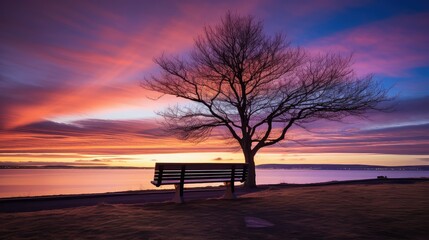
x: 100, y: 137
x: 90, y: 58
x: 147, y: 137
x: 404, y: 131
x: 389, y: 47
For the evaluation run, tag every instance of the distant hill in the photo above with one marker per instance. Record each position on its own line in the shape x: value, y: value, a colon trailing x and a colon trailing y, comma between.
x: 342, y: 167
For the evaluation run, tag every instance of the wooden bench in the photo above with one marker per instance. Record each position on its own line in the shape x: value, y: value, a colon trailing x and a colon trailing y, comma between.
x: 180, y: 173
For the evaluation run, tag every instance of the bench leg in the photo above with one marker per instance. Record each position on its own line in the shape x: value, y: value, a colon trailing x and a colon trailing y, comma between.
x: 178, y: 195
x: 229, y: 193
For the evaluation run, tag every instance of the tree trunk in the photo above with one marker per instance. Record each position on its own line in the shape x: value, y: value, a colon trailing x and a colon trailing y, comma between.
x: 251, y: 174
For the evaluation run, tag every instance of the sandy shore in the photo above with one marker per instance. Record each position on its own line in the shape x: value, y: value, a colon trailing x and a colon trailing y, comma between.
x: 372, y: 209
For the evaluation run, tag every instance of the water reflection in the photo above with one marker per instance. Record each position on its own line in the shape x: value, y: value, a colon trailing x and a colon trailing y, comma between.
x: 36, y: 182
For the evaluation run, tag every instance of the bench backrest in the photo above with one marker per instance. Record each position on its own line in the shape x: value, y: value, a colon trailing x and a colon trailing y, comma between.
x: 167, y: 173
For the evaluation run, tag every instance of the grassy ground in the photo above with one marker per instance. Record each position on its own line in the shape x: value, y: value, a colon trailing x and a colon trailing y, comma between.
x: 382, y: 211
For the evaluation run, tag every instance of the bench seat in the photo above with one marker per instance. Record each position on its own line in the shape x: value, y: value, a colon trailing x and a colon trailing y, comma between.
x: 191, y: 181
x: 178, y: 174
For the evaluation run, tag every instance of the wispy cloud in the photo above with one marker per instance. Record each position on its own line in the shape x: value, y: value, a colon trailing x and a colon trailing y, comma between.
x: 56, y: 163
x: 99, y: 137
x: 390, y: 46
x: 404, y: 140
x: 73, y: 58
x: 386, y: 134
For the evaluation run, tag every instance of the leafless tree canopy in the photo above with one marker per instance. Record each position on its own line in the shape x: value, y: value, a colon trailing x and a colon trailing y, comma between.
x: 257, y: 86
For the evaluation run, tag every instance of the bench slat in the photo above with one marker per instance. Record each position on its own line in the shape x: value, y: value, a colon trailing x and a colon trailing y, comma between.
x: 194, y: 171
x: 200, y: 166
x: 170, y: 182
x: 198, y: 174
x: 180, y: 173
x: 200, y: 177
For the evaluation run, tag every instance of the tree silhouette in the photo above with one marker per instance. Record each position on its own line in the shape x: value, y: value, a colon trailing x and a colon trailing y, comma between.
x: 257, y: 87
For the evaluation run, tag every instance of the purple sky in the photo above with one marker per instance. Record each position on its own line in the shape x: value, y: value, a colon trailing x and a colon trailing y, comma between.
x: 70, y: 73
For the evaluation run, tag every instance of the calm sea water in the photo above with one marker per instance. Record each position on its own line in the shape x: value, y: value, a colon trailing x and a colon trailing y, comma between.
x: 37, y: 182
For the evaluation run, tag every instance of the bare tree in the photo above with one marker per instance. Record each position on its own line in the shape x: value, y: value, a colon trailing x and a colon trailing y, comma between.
x: 257, y: 87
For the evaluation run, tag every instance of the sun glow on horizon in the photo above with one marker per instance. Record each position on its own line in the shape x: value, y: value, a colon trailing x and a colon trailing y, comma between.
x: 149, y: 160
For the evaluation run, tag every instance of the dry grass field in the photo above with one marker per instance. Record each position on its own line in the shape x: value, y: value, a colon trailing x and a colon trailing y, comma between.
x: 343, y: 211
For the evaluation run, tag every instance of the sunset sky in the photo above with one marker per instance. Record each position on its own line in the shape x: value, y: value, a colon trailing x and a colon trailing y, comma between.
x: 70, y: 74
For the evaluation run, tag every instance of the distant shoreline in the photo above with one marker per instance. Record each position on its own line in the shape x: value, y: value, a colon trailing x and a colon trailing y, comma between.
x: 344, y: 167
x: 261, y: 166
